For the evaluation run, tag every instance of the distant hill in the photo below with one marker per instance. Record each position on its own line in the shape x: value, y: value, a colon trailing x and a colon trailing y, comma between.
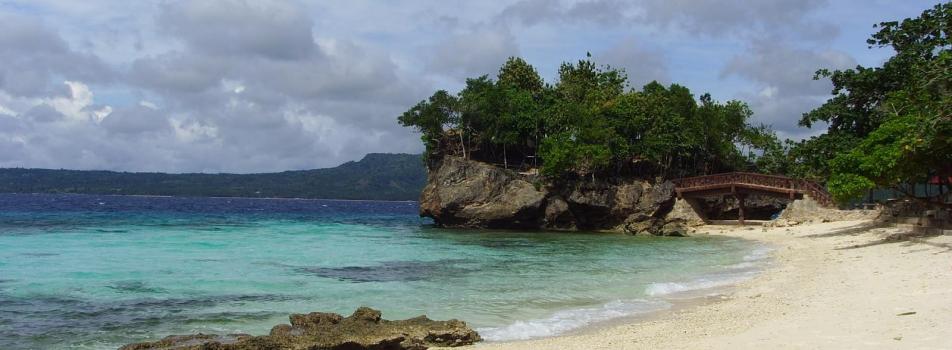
x: 378, y: 176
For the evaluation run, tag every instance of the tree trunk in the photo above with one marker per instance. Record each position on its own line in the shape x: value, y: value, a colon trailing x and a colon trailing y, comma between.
x: 462, y: 143
x: 505, y: 157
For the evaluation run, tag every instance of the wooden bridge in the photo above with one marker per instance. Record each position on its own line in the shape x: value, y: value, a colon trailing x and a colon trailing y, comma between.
x: 740, y: 185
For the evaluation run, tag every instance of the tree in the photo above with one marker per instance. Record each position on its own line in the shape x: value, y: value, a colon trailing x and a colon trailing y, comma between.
x: 588, y: 125
x: 581, y: 139
x: 517, y: 73
x: 429, y: 116
x: 895, y: 118
x: 911, y: 145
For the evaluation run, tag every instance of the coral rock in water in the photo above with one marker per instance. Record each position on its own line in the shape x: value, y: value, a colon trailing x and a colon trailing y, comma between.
x: 319, y: 330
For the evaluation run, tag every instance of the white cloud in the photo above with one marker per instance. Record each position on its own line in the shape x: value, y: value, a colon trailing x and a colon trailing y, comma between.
x: 75, y: 106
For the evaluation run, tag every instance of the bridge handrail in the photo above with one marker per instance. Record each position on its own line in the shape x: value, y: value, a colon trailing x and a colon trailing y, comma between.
x: 810, y: 188
x: 738, y: 173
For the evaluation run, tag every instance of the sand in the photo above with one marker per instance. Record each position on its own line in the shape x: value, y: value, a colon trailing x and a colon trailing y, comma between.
x: 838, y: 285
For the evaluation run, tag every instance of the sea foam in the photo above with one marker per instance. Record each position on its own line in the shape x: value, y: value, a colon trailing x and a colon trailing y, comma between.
x: 566, y: 320
x: 668, y: 288
x: 735, y: 273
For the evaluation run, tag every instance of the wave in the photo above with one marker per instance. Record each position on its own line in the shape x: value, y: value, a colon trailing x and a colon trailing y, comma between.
x: 753, y: 260
x: 668, y: 288
x: 735, y: 273
x: 759, y: 253
x: 566, y: 320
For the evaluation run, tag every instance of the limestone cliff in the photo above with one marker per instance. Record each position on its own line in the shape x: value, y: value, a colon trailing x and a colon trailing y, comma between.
x: 466, y: 193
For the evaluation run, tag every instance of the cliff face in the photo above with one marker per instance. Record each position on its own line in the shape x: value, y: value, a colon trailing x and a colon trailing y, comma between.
x: 465, y: 193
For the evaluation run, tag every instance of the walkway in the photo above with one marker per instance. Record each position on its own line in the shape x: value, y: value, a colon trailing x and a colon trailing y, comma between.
x: 740, y: 185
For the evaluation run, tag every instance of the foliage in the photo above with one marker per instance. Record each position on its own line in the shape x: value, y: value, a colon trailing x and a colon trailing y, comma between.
x: 377, y: 176
x: 890, y: 125
x: 590, y: 123
x: 430, y: 116
x: 516, y: 73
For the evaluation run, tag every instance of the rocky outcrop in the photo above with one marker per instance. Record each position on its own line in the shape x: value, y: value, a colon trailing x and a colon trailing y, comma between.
x: 686, y: 210
x: 807, y: 210
x: 461, y: 193
x: 466, y: 193
x: 319, y: 330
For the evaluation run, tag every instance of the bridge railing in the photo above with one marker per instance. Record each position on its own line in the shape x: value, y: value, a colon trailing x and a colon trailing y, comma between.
x: 776, y: 182
x: 819, y: 193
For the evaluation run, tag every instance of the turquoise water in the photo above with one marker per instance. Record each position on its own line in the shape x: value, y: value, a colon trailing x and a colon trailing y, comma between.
x: 95, y: 272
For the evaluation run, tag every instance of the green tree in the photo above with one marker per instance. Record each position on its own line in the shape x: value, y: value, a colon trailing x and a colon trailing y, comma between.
x: 588, y: 125
x: 517, y: 73
x: 581, y: 139
x: 902, y: 128
x: 429, y: 116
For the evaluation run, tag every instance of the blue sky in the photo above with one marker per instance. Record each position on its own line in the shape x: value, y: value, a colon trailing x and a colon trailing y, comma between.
x: 265, y: 85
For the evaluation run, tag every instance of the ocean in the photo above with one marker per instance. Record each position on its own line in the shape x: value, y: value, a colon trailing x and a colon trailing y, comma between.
x: 97, y: 272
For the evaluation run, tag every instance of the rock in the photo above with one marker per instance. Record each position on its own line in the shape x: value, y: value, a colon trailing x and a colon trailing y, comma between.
x: 467, y: 193
x: 462, y: 193
x: 195, y: 341
x: 365, y: 329
x: 659, y: 200
x: 684, y: 210
x: 557, y: 214
x: 807, y: 210
x: 675, y: 228
x: 641, y: 223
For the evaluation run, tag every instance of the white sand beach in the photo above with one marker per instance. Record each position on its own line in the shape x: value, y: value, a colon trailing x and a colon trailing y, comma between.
x: 838, y: 285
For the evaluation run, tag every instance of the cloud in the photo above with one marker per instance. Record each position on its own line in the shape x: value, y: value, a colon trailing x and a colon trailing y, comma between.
x: 36, y: 59
x: 267, y: 28
x: 278, y: 93
x: 270, y: 85
x: 473, y: 53
x: 43, y: 113
x: 534, y: 12
x: 705, y: 18
x: 788, y: 69
x: 136, y: 120
x: 783, y: 87
x: 771, y: 18
x: 248, y: 88
x: 642, y: 65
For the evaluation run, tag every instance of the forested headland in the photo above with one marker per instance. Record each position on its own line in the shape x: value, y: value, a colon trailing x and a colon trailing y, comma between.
x: 888, y: 126
x: 377, y: 176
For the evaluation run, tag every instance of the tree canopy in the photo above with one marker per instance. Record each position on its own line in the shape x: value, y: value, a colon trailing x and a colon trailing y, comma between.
x: 589, y: 123
x: 889, y: 125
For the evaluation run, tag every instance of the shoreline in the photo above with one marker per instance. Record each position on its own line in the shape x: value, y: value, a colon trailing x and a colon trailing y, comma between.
x: 828, y: 285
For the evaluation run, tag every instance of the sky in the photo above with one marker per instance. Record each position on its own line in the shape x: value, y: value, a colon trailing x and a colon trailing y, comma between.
x: 266, y: 85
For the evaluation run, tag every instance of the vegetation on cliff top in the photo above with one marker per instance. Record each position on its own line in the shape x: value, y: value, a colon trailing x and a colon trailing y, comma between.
x: 589, y: 123
x: 888, y: 126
